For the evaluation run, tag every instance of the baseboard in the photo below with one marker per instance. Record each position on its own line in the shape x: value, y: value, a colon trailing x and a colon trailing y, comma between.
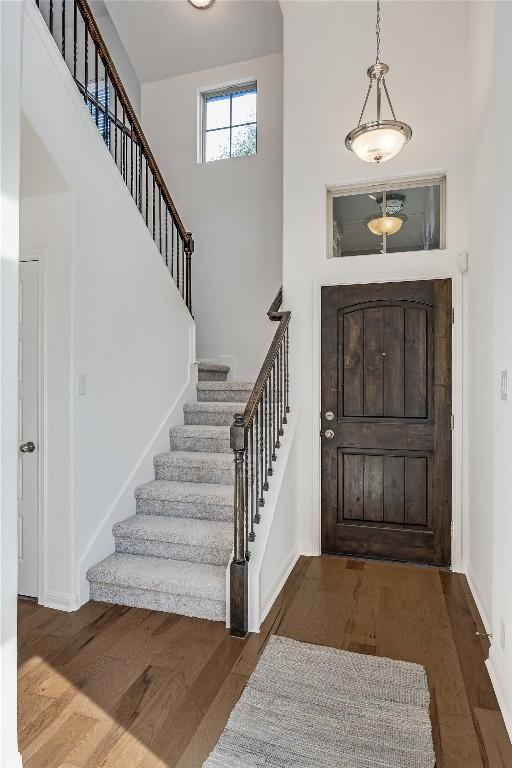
x: 279, y: 584
x: 500, y: 689
x: 479, y: 603
x: 61, y: 601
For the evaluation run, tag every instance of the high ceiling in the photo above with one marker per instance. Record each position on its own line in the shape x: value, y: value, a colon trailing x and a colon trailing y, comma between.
x: 164, y: 38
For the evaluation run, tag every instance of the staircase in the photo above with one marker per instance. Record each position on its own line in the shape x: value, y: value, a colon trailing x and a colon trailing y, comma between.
x: 173, y: 553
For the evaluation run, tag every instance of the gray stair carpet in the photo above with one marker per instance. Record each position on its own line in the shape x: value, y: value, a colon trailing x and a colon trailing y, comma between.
x: 172, y: 554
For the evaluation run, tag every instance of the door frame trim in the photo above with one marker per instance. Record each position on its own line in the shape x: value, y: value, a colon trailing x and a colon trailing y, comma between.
x: 40, y: 255
x: 453, y: 267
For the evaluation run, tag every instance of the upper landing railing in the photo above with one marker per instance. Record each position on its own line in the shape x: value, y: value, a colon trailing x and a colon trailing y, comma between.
x: 79, y: 40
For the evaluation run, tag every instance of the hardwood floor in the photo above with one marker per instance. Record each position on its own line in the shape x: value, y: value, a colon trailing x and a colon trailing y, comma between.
x: 111, y: 686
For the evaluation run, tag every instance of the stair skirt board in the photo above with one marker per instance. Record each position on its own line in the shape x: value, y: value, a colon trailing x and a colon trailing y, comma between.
x: 173, y: 553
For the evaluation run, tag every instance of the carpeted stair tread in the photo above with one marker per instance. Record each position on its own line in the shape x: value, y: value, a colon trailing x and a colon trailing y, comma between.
x: 174, y: 490
x: 221, y: 386
x: 200, y: 430
x: 216, y: 367
x: 212, y: 372
x: 177, y: 577
x: 174, y: 498
x: 194, y: 459
x: 212, y: 413
x: 195, y: 466
x: 222, y: 391
x: 176, y: 529
x: 200, y: 437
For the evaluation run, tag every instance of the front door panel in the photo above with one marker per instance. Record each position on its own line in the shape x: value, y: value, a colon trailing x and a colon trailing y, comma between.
x: 386, y: 377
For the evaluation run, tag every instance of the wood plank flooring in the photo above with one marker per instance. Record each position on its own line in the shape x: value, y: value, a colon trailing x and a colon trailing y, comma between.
x: 112, y: 686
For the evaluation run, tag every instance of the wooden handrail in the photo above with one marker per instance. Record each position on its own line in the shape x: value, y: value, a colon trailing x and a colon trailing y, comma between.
x: 255, y: 396
x: 96, y: 35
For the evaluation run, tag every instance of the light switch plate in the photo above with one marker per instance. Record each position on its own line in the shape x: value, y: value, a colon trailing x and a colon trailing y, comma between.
x: 82, y: 385
x: 504, y: 385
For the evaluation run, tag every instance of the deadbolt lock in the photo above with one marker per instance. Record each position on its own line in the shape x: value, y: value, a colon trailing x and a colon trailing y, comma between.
x: 27, y: 447
x: 329, y: 434
x: 329, y: 415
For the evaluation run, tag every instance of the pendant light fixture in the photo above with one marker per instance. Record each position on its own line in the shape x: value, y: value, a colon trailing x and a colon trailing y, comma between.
x: 378, y: 140
x: 201, y: 3
x: 389, y: 223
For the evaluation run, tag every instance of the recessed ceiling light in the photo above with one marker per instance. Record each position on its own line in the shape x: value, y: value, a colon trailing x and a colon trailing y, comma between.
x: 201, y: 3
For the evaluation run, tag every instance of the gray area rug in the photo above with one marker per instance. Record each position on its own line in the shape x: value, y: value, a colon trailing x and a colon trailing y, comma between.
x: 307, y: 706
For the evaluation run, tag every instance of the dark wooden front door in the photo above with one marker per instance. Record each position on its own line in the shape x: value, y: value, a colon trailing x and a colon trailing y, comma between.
x: 386, y: 399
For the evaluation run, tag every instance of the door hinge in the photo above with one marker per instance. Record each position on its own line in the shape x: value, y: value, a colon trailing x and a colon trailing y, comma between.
x: 453, y: 315
x: 452, y: 422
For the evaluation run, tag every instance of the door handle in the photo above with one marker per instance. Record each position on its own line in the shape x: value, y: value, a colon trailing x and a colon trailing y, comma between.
x: 27, y: 447
x: 329, y: 434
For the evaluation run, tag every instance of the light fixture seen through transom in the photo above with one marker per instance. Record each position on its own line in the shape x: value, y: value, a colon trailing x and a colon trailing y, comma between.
x: 378, y: 140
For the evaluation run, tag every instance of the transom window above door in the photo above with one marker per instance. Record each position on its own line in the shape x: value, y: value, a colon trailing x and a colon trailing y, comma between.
x: 387, y: 218
x: 229, y: 122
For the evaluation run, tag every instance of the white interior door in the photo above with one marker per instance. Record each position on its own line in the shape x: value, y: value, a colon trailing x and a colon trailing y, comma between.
x: 28, y: 428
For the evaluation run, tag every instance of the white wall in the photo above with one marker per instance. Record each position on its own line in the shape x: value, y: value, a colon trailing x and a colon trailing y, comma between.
x: 131, y: 334
x: 491, y: 168
x: 327, y: 48
x: 233, y: 207
x: 10, y: 86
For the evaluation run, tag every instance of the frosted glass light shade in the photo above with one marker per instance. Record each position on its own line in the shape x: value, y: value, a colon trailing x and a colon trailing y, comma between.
x: 201, y: 3
x: 385, y: 225
x: 378, y: 142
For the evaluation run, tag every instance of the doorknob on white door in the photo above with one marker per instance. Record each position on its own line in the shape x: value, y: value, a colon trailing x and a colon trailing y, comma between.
x: 27, y: 447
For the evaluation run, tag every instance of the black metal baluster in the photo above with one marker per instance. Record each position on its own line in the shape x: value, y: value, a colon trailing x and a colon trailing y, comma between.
x: 281, y: 357
x: 136, y: 174
x: 75, y: 34
x: 139, y: 149
x: 274, y: 446
x: 115, y: 125
x: 147, y: 193
x: 268, y: 393
x: 106, y: 124
x: 154, y: 194
x: 173, y: 227
x: 246, y: 494
x: 279, y: 394
x: 278, y: 398
x: 96, y: 82
x: 262, y: 470
x: 265, y: 421
x: 86, y: 61
x: 131, y: 161
x: 123, y: 139
x: 63, y: 33
x: 51, y: 16
x: 166, y: 238
x: 178, y: 238
x: 252, y: 535
x: 286, y: 383
x: 287, y: 371
x: 257, y: 430
x: 160, y: 219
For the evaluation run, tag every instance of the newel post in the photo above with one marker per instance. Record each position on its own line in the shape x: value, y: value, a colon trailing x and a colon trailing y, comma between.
x: 189, y: 250
x: 239, y: 581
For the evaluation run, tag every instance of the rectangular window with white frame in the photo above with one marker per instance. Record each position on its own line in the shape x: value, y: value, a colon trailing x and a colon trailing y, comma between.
x: 229, y: 122
x: 388, y: 217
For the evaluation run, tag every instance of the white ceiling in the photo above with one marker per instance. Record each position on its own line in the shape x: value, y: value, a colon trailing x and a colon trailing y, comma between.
x: 164, y: 38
